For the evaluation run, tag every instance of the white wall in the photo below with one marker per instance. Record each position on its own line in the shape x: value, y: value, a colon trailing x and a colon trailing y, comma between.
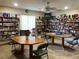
x: 69, y: 12
x: 20, y: 11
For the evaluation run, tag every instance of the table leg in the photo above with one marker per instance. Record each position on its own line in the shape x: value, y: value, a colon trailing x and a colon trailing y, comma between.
x: 22, y: 48
x: 53, y: 40
x: 31, y: 52
x: 63, y: 42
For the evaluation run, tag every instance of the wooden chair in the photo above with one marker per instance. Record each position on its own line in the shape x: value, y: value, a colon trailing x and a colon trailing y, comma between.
x: 12, y: 43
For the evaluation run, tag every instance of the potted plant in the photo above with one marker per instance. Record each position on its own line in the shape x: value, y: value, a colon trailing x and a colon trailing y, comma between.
x: 27, y: 32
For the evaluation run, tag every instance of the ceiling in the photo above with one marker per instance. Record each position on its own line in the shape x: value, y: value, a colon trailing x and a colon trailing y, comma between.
x: 39, y: 5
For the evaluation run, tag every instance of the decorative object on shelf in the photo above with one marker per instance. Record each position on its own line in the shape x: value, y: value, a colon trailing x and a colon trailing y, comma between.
x: 6, y: 15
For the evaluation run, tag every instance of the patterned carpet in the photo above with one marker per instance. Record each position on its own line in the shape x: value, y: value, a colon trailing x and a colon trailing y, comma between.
x: 67, y: 53
x: 55, y: 52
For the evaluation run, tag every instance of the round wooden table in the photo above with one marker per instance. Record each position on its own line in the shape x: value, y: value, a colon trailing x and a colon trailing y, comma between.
x: 52, y: 35
x: 23, y: 40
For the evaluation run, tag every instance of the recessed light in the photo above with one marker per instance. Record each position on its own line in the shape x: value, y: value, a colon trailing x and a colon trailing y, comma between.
x: 42, y: 9
x: 66, y: 7
x: 15, y: 4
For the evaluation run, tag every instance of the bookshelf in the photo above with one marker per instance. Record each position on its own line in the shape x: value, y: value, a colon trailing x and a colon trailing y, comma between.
x: 70, y: 23
x: 39, y: 26
x: 74, y: 25
x: 45, y: 24
x: 61, y: 25
x: 8, y: 26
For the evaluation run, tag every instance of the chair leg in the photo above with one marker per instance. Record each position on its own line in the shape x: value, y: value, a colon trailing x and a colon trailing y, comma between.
x: 39, y: 57
x: 78, y: 45
x: 13, y: 47
x: 72, y: 46
x: 47, y: 56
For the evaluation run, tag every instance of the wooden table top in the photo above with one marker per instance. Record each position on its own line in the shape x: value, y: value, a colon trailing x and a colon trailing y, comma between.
x: 62, y: 35
x: 27, y: 41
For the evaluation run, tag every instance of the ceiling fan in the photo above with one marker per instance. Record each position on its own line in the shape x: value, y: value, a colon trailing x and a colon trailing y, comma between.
x: 48, y: 8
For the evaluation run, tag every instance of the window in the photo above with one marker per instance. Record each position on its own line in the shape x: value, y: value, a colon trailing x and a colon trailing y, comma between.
x: 27, y: 22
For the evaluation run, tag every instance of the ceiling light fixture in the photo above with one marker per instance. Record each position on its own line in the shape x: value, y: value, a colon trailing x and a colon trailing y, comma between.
x: 42, y: 9
x: 66, y: 7
x: 15, y: 4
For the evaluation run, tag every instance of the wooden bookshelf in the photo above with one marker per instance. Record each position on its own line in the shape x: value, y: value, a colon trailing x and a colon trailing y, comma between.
x: 8, y: 26
x: 59, y: 26
x: 40, y: 26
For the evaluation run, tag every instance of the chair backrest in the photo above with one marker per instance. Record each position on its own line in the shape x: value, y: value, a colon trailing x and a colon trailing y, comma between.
x: 11, y: 42
x: 76, y: 40
x: 24, y: 32
x: 43, y: 46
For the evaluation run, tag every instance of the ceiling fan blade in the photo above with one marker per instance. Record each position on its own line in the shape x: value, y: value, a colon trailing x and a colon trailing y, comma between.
x: 56, y: 9
x: 53, y: 8
x: 48, y: 8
